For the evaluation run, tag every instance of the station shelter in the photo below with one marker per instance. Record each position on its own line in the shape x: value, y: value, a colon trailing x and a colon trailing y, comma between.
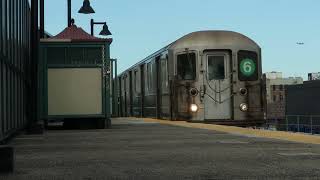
x: 74, y: 78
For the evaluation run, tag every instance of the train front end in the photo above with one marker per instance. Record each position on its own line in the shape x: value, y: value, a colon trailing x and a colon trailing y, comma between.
x: 217, y: 79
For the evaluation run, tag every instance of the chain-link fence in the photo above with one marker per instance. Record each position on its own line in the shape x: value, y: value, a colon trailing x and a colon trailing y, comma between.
x: 296, y: 123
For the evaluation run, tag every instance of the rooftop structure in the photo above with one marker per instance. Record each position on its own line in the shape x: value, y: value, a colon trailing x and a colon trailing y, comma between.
x: 314, y: 76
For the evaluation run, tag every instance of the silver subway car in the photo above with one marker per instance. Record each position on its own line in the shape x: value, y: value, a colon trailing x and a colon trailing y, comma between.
x: 206, y: 76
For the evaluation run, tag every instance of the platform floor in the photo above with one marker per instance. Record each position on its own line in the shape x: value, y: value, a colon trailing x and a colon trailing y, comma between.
x: 149, y: 149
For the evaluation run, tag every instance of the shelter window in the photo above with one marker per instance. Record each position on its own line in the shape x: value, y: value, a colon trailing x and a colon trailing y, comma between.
x: 186, y: 66
x: 216, y: 67
x: 56, y: 55
x: 74, y: 56
x: 93, y: 56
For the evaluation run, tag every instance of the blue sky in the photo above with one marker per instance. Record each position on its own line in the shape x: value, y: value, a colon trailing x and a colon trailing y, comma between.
x: 141, y: 27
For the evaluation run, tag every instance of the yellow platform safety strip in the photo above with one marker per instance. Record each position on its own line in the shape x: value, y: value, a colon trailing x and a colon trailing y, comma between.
x: 281, y: 135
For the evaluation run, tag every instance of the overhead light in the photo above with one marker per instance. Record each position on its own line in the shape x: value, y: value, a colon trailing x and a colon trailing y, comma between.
x: 86, y: 8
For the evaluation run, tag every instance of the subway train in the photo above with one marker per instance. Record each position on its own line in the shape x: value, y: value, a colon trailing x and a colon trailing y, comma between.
x: 205, y: 76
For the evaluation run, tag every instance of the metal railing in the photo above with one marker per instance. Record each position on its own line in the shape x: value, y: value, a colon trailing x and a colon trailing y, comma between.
x: 14, y: 65
x: 296, y: 123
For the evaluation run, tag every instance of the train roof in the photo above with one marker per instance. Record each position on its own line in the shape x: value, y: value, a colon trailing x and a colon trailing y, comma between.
x: 221, y: 37
x: 199, y: 38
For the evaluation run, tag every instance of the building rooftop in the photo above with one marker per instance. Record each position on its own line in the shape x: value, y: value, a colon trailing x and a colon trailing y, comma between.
x: 75, y: 34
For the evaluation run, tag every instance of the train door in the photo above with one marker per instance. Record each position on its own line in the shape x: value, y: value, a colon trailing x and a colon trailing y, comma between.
x: 119, y: 100
x: 142, y: 89
x: 130, y: 94
x: 125, y: 95
x: 217, y: 81
x: 158, y: 87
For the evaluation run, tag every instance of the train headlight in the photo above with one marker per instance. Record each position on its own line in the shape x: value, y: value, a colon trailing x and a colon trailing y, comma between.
x: 194, y: 108
x: 194, y: 92
x: 243, y: 91
x: 244, y: 107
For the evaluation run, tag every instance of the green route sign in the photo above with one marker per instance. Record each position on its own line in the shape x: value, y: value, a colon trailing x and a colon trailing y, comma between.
x: 247, y: 67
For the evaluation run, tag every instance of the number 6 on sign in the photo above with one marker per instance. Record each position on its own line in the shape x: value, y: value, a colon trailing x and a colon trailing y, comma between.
x: 247, y: 67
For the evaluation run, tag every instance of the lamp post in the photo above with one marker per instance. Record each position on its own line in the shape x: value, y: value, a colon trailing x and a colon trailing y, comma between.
x: 32, y: 68
x: 85, y: 9
x: 105, y: 29
x: 114, y: 85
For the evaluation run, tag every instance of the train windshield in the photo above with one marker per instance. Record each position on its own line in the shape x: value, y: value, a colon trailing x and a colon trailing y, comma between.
x: 186, y: 66
x: 216, y: 67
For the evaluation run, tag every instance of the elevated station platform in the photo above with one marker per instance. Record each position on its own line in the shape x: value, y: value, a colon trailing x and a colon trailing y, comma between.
x: 157, y: 149
x: 289, y: 136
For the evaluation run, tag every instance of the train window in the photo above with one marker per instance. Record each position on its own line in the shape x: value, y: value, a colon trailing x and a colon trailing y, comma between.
x: 248, y: 66
x: 164, y: 75
x: 136, y: 83
x: 186, y: 66
x: 149, y: 76
x: 216, y: 67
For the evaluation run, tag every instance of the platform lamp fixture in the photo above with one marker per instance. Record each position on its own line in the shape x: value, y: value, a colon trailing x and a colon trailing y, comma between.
x: 105, y: 29
x: 85, y: 9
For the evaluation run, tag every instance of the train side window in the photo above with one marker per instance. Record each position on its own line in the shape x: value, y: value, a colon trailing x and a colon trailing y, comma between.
x: 186, y: 66
x: 164, y: 74
x: 135, y: 81
x: 149, y: 76
x: 216, y: 67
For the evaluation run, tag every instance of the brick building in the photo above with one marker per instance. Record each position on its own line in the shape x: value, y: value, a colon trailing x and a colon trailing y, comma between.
x: 275, y: 93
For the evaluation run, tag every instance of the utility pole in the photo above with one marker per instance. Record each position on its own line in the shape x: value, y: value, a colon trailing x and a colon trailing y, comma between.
x: 69, y: 13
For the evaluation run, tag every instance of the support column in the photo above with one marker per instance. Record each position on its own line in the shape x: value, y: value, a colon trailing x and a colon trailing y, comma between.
x: 32, y: 95
x: 6, y: 159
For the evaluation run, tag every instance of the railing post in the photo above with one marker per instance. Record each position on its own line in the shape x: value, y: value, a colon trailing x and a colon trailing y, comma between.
x: 311, y: 124
x: 298, y: 119
x: 287, y: 123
